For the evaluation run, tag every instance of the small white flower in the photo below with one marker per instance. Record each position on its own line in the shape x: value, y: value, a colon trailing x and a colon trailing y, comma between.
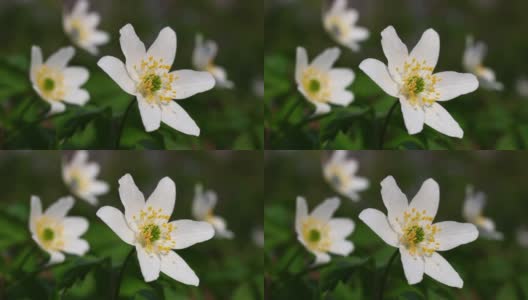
x: 258, y: 87
x: 80, y: 177
x: 340, y: 23
x: 55, y: 82
x: 321, y: 234
x: 472, y: 61
x: 146, y: 75
x: 204, y: 203
x: 409, y: 227
x: 410, y: 78
x: 521, y: 85
x: 258, y: 237
x: 56, y: 233
x: 473, y: 205
x: 340, y: 172
x: 522, y: 237
x: 321, y: 84
x: 204, y: 55
x: 146, y: 226
x: 81, y: 27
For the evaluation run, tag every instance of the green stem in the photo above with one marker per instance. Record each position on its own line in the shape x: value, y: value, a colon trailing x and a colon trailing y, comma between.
x: 386, y: 273
x: 45, y: 116
x: 121, y: 272
x: 122, y: 124
x: 311, y: 119
x: 297, y: 251
x: 386, y: 124
x: 292, y: 109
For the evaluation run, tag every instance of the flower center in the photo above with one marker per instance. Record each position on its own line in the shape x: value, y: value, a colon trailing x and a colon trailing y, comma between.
x: 337, y: 177
x: 414, y: 235
x: 152, y: 83
x: 316, y: 84
x: 153, y: 231
x: 50, y: 82
x: 155, y: 81
x: 418, y: 234
x: 415, y: 84
x: 418, y: 83
x: 337, y: 27
x: 78, y: 31
x: 50, y: 233
x: 316, y: 234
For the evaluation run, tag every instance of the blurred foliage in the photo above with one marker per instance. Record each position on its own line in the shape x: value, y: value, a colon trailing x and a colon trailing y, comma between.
x: 228, y: 269
x: 490, y: 269
x: 491, y: 120
x: 229, y: 119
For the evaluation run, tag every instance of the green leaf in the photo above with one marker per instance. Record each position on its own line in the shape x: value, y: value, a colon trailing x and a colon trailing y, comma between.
x: 340, y: 270
x: 76, y: 270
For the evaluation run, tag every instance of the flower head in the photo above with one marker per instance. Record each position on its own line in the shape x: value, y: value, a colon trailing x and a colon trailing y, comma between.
x: 258, y: 237
x: 321, y: 234
x: 410, y: 227
x: 473, y: 205
x: 319, y: 83
x: 146, y: 226
x: 81, y: 27
x: 56, y: 233
x: 472, y: 61
x: 203, y: 59
x: 55, y: 82
x: 147, y: 76
x: 522, y: 236
x: 80, y: 177
x: 410, y: 77
x: 340, y: 23
x: 340, y: 172
x: 204, y: 203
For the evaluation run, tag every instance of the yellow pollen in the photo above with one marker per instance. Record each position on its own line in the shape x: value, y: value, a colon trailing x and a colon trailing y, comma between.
x: 316, y: 234
x: 50, y: 82
x: 418, y: 234
x: 316, y: 84
x: 50, y: 233
x: 155, y: 81
x: 154, y: 233
x: 418, y: 83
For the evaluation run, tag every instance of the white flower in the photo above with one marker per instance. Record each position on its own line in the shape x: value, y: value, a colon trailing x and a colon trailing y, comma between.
x: 203, y: 206
x: 258, y: 87
x: 56, y: 233
x: 340, y: 23
x: 522, y: 237
x: 409, y: 227
x: 340, y: 174
x: 321, y: 234
x: 258, y: 237
x: 521, y: 85
x: 80, y: 177
x: 319, y: 83
x: 81, y: 27
x: 410, y: 78
x: 146, y: 75
x: 146, y: 226
x: 203, y: 58
x: 473, y: 205
x: 472, y: 61
x: 55, y: 82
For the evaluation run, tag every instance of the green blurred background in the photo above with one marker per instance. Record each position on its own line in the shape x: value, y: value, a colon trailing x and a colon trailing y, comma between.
x: 229, y: 119
x: 490, y: 269
x: 491, y: 120
x: 228, y: 269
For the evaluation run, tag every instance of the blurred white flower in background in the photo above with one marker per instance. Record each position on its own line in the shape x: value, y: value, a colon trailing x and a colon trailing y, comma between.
x: 81, y: 27
x: 258, y: 237
x: 472, y: 61
x: 473, y: 206
x: 521, y: 85
x: 340, y: 23
x: 203, y: 206
x: 522, y: 237
x: 340, y: 172
x: 258, y: 87
x: 203, y: 59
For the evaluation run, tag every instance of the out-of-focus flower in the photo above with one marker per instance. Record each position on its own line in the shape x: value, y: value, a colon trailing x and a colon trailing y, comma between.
x: 522, y: 237
x: 55, y: 82
x: 340, y: 172
x: 204, y: 203
x: 473, y: 206
x: 521, y: 85
x: 340, y: 23
x: 258, y: 237
x: 258, y: 87
x: 81, y: 27
x: 472, y: 61
x: 321, y: 84
x: 409, y: 77
x: 203, y: 59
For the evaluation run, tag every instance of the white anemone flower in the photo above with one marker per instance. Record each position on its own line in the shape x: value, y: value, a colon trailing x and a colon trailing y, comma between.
x: 81, y: 27
x: 522, y: 236
x: 521, y: 86
x: 340, y: 172
x: 340, y: 23
x: 409, y: 227
x: 80, y: 177
x: 473, y: 206
x: 321, y: 234
x: 321, y: 84
x: 146, y: 226
x: 55, y: 82
x: 203, y: 206
x: 146, y: 76
x: 409, y: 77
x: 56, y: 233
x: 472, y: 61
x: 203, y: 58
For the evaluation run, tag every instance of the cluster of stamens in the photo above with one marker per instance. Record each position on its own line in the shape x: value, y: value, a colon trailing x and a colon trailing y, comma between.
x: 337, y: 26
x: 50, y: 233
x: 316, y: 234
x: 337, y: 177
x: 316, y: 84
x: 50, y: 82
x: 78, y: 30
x: 153, y: 231
x: 418, y: 234
x: 418, y: 83
x: 155, y: 81
x: 77, y: 182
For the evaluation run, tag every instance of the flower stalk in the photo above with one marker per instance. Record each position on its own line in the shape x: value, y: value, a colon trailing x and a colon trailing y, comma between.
x: 121, y: 272
x: 386, y: 273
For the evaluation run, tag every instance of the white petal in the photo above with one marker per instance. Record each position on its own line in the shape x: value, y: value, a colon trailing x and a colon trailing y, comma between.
x: 413, y: 266
x: 394, y: 200
x: 56, y: 107
x: 79, y: 158
x: 395, y: 50
x: 439, y: 119
x: 427, y: 49
x: 413, y: 117
x: 117, y: 71
x: 173, y: 115
x: 36, y: 61
x: 378, y: 222
x: 359, y: 34
x: 131, y: 197
x: 301, y: 64
x: 439, y: 269
x: 176, y: 268
x: 321, y: 258
x: 115, y: 219
x: 75, y: 226
x: 92, y: 20
x: 453, y: 84
x: 99, y: 38
x: 342, y: 247
x: 326, y: 60
x: 427, y: 199
x: 187, y: 233
x: 149, y: 263
x: 61, y: 58
x: 203, y: 202
x: 378, y: 72
x: 150, y: 114
x: 77, y: 96
x: 188, y: 83
x: 99, y: 187
x: 325, y: 210
x: 300, y: 213
x: 80, y: 8
x: 76, y: 246
x: 359, y: 183
x: 35, y: 212
x: 133, y: 48
x: 341, y: 78
x: 340, y: 228
x: 164, y: 46
x: 164, y: 196
x: 60, y: 208
x: 473, y: 204
x: 56, y: 257
x: 453, y: 234
x: 321, y: 108
x: 76, y: 76
x: 341, y: 97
